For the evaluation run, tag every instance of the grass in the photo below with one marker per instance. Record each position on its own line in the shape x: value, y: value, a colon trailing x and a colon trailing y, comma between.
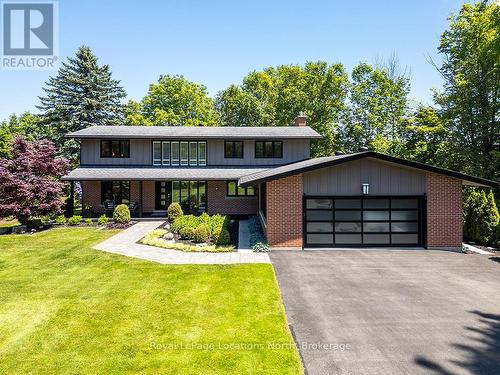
x: 154, y: 238
x: 68, y: 309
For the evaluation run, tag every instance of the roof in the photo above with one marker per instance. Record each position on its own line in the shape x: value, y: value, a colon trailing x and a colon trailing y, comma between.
x: 159, y: 173
x: 196, y: 132
x: 328, y: 161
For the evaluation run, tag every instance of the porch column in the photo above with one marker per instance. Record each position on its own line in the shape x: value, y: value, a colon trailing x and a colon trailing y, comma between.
x: 70, y: 203
x: 141, y: 198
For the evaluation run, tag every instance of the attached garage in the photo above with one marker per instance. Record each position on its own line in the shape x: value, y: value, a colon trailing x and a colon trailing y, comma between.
x: 361, y: 200
x: 363, y: 221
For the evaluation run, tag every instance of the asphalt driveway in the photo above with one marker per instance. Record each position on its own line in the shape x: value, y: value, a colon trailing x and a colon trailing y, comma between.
x: 393, y: 312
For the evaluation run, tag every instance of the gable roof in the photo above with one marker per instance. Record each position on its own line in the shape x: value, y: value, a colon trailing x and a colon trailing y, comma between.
x: 196, y: 132
x: 328, y: 161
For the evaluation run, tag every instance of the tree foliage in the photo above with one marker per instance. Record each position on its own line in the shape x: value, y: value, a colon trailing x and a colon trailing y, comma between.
x: 276, y: 95
x: 481, y: 217
x: 173, y: 100
x: 81, y: 95
x: 378, y: 105
x: 470, y: 101
x: 29, y: 181
x: 26, y: 125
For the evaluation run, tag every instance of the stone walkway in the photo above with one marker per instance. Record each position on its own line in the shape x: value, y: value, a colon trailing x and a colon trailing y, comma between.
x: 125, y: 243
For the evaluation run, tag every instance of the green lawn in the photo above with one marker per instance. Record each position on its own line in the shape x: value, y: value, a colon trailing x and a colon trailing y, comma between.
x: 68, y: 309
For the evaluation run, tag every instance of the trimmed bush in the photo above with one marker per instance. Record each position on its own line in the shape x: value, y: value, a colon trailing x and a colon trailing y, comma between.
x: 174, y: 211
x: 183, y: 222
x: 121, y: 214
x: 216, y: 233
x: 75, y: 220
x: 187, y: 233
x: 89, y: 221
x: 217, y: 221
x: 60, y: 220
x: 103, y: 220
x: 201, y: 233
x: 224, y: 238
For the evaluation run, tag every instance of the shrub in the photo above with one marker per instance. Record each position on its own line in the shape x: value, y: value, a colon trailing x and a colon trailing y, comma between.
x: 201, y: 233
x: 183, y: 222
x: 187, y: 233
x: 216, y: 233
x: 174, y: 211
x: 89, y: 221
x: 60, y: 220
x: 217, y: 221
x: 154, y: 238
x: 103, y: 220
x: 121, y: 214
x: 205, y: 218
x: 74, y: 220
x: 224, y: 238
x: 481, y: 217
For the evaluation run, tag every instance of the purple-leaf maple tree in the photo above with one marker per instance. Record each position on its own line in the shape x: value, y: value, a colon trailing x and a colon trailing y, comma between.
x: 30, y: 183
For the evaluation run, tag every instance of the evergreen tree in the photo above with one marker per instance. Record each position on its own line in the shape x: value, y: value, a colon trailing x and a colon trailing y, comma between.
x: 81, y: 95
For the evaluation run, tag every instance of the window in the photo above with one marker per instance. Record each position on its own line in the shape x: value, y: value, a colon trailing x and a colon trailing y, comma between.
x: 233, y: 150
x: 191, y: 195
x: 115, y: 191
x: 177, y: 153
x: 193, y: 153
x: 115, y: 149
x: 184, y: 153
x: 269, y: 149
x: 156, y: 153
x: 202, y: 153
x: 233, y: 190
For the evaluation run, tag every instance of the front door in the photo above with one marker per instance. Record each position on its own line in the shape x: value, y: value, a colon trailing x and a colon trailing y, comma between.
x: 163, y: 191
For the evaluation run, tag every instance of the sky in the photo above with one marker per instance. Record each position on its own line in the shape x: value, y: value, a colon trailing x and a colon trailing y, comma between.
x: 217, y: 43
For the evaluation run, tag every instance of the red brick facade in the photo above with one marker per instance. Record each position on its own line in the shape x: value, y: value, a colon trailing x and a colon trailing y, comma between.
x: 217, y: 201
x: 444, y: 212
x: 284, y: 212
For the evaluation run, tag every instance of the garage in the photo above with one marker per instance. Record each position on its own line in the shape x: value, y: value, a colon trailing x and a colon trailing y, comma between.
x: 336, y: 221
x: 361, y: 200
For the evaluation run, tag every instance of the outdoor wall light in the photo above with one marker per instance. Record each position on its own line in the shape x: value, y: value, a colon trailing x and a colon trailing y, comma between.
x: 365, y: 188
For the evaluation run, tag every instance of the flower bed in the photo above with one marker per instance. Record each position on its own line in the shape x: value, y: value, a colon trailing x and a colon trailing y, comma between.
x: 203, y: 233
x: 156, y: 238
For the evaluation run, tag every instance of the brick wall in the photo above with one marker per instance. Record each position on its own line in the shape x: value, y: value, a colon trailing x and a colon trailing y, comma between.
x: 284, y: 212
x: 217, y: 201
x: 91, y: 195
x: 444, y: 212
x: 148, y: 192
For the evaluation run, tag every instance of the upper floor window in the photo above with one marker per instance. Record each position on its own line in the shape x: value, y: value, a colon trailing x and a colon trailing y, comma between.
x: 115, y: 149
x: 233, y: 190
x: 233, y: 149
x: 269, y: 149
x: 180, y: 153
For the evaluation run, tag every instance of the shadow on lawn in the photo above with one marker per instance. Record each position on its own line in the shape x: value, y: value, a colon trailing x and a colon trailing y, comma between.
x: 483, y: 357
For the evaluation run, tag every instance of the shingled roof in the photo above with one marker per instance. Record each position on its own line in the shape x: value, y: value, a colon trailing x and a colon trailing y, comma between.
x: 197, y: 132
x: 328, y: 161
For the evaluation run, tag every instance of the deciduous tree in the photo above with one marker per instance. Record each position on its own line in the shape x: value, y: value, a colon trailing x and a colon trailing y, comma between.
x: 29, y: 181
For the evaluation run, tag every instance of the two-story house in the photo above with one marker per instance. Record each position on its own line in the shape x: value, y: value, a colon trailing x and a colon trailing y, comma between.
x: 364, y: 199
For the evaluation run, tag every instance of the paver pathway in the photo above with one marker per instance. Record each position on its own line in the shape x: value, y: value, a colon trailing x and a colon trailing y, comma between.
x: 125, y: 243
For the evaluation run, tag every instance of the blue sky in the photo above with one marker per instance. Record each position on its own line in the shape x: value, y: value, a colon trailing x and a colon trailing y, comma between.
x: 218, y: 42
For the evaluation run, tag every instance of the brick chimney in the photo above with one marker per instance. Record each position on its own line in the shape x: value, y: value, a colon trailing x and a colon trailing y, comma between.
x: 301, y: 120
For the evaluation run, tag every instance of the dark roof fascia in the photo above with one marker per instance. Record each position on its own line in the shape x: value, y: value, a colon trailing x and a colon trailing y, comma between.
x: 375, y: 155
